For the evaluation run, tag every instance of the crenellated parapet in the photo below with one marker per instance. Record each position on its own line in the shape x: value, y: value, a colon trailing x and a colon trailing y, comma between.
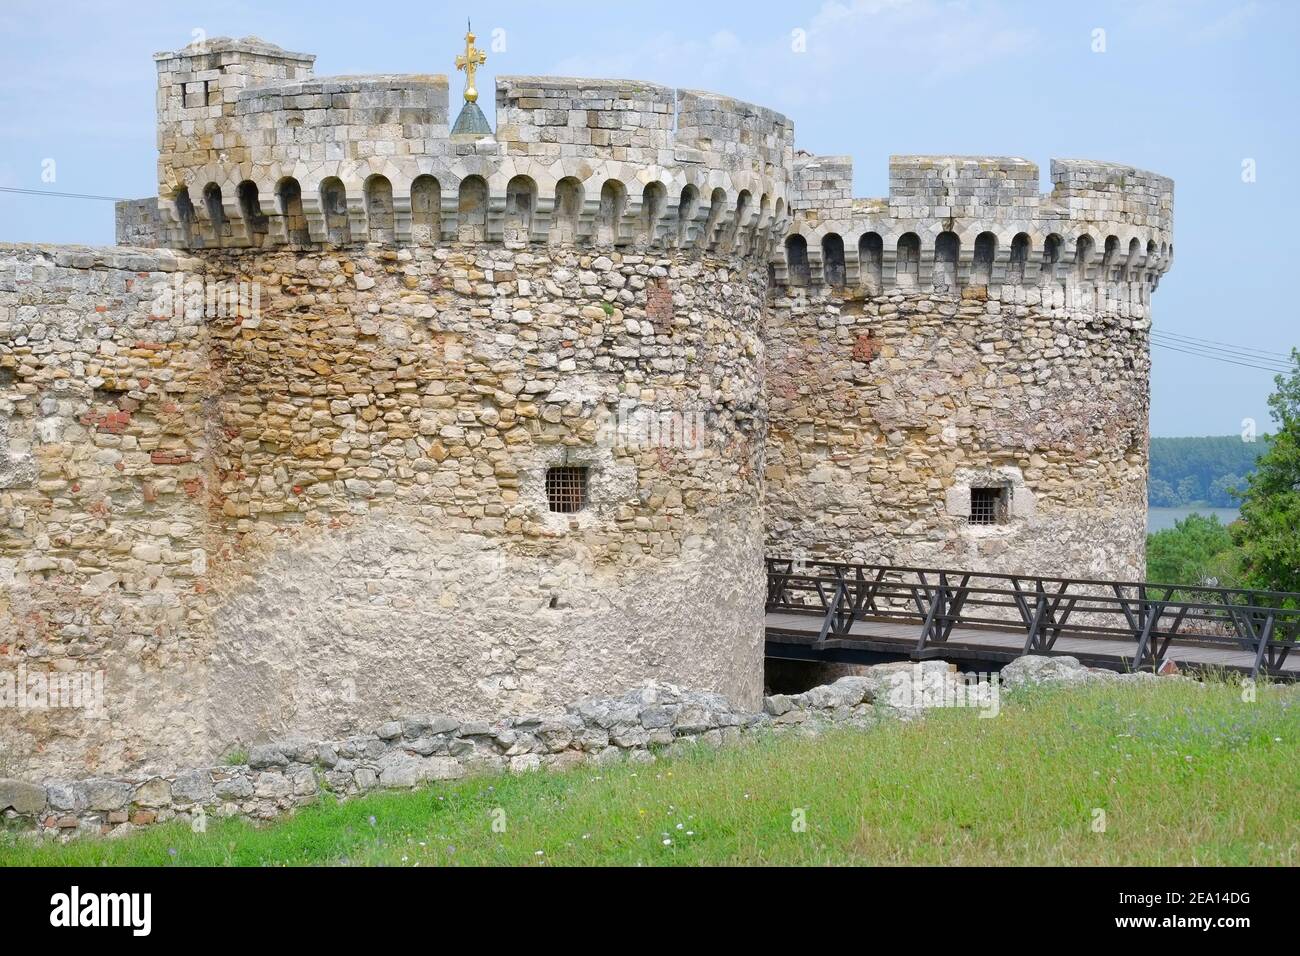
x: 257, y: 152
x: 955, y: 221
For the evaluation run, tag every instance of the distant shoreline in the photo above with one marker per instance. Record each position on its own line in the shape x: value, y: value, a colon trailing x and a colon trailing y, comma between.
x: 1161, y: 519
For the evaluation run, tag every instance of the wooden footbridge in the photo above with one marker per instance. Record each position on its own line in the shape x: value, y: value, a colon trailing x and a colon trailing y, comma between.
x: 867, y: 613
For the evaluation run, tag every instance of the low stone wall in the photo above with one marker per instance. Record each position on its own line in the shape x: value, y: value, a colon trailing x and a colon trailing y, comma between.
x: 636, y: 726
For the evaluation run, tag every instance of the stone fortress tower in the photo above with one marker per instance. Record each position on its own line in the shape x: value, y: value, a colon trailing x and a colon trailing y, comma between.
x: 373, y: 414
x: 958, y: 374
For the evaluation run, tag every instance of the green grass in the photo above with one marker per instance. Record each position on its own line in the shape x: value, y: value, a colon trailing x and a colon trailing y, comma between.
x: 1185, y: 774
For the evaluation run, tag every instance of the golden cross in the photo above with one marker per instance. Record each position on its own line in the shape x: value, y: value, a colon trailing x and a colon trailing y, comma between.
x: 470, y: 61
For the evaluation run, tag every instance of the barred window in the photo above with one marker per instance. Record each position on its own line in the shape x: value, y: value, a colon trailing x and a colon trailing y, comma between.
x: 566, y: 489
x: 988, y: 505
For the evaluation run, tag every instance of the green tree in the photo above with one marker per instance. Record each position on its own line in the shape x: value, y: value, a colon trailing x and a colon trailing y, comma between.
x: 1189, y: 490
x: 1196, y: 551
x: 1161, y: 494
x: 1269, y: 530
x: 1223, y: 491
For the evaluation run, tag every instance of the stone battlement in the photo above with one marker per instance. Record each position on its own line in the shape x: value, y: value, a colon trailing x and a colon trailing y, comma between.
x: 255, y: 151
x: 952, y: 221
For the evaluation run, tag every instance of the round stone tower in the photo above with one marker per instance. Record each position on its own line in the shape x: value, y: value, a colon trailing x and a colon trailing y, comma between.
x: 490, y: 436
x: 958, y: 375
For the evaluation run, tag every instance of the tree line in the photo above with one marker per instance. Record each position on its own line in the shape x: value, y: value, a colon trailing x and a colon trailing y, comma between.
x: 1210, y: 471
x: 1262, y: 548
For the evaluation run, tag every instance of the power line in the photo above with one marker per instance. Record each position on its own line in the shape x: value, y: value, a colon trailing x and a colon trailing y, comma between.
x: 1219, y: 358
x: 1232, y: 345
x: 51, y: 192
x: 1242, y: 351
x: 1216, y: 351
x: 1213, y: 350
x: 1214, y: 358
x: 1224, y: 358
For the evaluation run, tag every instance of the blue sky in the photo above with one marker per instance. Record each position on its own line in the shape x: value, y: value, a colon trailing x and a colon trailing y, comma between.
x: 1188, y: 88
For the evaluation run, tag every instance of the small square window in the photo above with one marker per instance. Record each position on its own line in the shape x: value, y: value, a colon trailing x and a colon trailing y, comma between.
x: 566, y: 489
x: 989, y: 505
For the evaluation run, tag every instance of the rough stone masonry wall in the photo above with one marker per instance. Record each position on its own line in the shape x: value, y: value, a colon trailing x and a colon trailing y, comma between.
x: 385, y: 433
x: 103, y: 503
x: 333, y: 510
x: 885, y: 409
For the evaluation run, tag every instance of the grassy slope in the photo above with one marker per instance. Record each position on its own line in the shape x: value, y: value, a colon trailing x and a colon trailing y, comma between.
x: 1186, y: 775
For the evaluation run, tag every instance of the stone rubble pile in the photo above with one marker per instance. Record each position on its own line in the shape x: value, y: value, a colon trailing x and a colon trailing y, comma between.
x: 657, y: 718
x: 1034, y: 669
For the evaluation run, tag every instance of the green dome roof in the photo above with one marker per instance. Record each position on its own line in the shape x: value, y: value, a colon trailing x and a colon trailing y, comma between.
x: 472, y: 121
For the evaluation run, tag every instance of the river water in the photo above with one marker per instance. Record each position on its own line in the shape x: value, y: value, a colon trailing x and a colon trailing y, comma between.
x: 1158, y: 519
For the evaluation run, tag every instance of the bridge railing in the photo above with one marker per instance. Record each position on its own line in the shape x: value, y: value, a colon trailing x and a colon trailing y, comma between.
x: 1266, y: 624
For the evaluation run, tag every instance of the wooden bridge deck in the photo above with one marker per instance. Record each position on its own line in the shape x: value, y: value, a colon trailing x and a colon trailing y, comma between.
x: 794, y: 636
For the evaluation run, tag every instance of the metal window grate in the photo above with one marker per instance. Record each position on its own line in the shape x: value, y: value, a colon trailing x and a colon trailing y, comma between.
x: 987, y: 505
x: 566, y: 489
